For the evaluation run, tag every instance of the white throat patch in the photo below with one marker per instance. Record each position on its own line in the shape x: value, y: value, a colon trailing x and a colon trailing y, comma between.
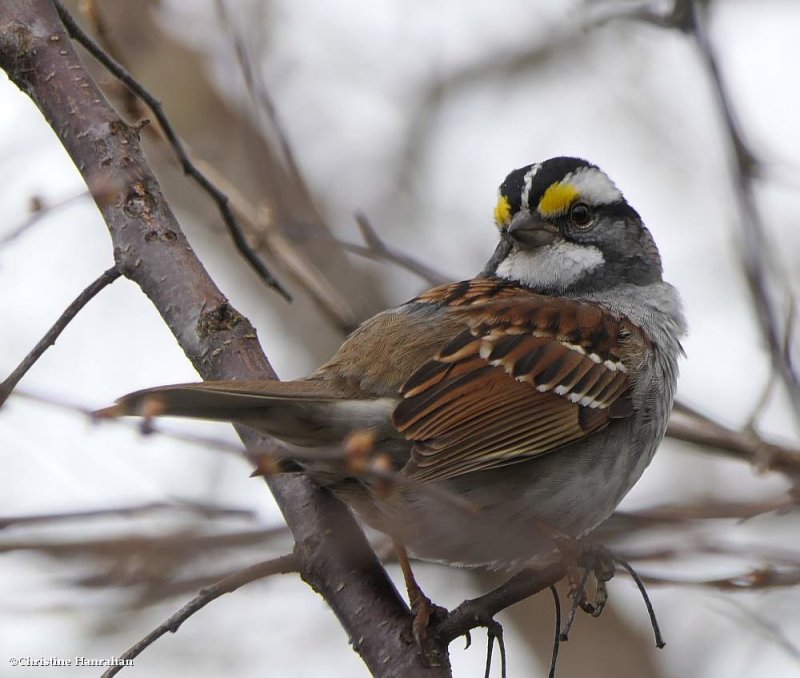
x: 552, y: 267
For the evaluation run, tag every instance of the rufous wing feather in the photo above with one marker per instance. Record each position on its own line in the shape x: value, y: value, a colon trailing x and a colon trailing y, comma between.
x: 531, y: 374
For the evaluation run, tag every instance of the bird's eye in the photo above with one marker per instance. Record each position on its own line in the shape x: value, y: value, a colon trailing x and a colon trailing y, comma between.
x: 580, y: 214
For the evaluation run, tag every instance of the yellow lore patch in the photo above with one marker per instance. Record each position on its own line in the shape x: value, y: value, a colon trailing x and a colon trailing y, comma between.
x: 557, y: 199
x: 502, y: 212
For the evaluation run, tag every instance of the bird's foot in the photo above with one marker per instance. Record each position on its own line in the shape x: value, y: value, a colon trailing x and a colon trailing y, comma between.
x: 585, y: 561
x: 582, y: 561
x: 425, y: 615
x: 599, y: 561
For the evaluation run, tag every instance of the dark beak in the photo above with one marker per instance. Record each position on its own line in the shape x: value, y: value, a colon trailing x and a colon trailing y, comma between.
x: 531, y: 230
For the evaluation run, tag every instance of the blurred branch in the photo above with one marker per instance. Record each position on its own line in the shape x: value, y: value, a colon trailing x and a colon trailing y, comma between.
x: 768, y: 628
x: 53, y: 333
x: 39, y: 210
x: 763, y: 401
x: 263, y: 101
x: 260, y: 221
x: 755, y: 249
x: 757, y: 579
x: 761, y: 269
x: 493, y: 70
x: 690, y: 426
x: 708, y: 510
x: 154, y: 567
x: 690, y: 545
x: 200, y: 508
x: 189, y: 168
x: 283, y: 565
x: 177, y: 545
x: 377, y: 250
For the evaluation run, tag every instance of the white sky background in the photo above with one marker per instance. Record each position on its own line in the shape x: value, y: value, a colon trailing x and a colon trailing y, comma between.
x: 346, y: 77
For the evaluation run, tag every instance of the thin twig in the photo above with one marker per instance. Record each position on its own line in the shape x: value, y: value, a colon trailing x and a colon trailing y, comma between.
x: 769, y: 628
x: 53, y: 333
x: 377, y: 250
x: 761, y: 403
x: 39, y: 213
x: 263, y: 102
x: 651, y: 613
x: 557, y: 634
x: 266, y: 234
x: 578, y: 598
x: 755, y: 249
x: 221, y: 200
x: 283, y: 565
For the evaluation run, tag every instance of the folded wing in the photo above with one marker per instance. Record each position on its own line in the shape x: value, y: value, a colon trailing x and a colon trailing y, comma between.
x: 530, y: 375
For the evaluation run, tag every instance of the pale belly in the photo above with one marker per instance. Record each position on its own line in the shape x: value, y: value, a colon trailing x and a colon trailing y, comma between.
x: 571, y: 490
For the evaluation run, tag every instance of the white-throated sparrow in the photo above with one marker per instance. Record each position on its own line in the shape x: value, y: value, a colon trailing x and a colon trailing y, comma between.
x: 538, y: 391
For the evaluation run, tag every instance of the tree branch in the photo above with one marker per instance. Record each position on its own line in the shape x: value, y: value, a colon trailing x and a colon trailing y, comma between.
x: 688, y: 425
x: 481, y: 611
x: 151, y: 249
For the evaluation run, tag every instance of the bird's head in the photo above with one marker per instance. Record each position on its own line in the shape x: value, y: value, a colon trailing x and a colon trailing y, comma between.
x: 566, y: 228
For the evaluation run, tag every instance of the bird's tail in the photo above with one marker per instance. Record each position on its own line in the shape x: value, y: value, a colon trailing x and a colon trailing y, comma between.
x: 302, y: 412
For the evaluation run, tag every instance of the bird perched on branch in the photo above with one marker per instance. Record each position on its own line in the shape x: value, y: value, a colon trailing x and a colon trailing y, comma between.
x: 537, y: 391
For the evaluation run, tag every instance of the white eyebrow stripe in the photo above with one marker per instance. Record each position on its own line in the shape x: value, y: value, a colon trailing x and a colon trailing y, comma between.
x: 594, y: 186
x: 527, y: 182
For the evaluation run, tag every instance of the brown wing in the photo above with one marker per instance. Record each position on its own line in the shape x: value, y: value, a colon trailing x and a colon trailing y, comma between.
x: 531, y: 374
